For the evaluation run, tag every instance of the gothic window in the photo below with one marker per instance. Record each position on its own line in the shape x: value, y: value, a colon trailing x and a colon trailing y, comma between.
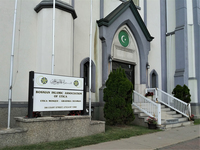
x: 153, y: 79
x: 84, y: 72
x: 153, y: 76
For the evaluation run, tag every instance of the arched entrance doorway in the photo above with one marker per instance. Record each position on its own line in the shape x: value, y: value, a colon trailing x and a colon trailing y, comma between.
x: 128, y: 68
x: 126, y: 15
x: 125, y: 54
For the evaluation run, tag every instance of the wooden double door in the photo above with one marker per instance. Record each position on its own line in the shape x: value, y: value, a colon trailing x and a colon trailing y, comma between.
x: 128, y: 68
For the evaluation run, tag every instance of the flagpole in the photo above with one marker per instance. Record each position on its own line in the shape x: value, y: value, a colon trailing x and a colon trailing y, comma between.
x: 11, y: 66
x: 90, y: 60
x: 53, y: 46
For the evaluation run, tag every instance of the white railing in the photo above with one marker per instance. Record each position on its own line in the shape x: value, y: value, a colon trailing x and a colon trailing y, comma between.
x: 172, y: 102
x: 147, y: 106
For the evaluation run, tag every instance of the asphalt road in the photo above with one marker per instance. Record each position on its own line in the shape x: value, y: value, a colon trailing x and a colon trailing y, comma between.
x: 193, y: 144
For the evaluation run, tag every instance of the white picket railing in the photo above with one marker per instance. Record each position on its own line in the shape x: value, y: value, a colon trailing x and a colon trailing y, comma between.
x: 171, y: 101
x: 147, y: 106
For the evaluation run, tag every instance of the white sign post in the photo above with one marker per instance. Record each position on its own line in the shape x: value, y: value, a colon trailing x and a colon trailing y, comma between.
x: 55, y: 93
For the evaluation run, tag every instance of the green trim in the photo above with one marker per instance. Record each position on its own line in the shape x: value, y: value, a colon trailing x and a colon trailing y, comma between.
x: 109, y: 19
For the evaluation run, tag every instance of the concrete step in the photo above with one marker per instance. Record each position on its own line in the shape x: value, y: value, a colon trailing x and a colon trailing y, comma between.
x: 143, y: 115
x: 165, y: 109
x: 182, y: 119
x: 174, y: 120
x: 175, y: 125
x: 167, y: 116
x: 169, y: 112
x: 163, y: 106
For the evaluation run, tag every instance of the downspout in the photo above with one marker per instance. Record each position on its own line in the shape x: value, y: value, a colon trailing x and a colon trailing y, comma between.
x: 11, y: 65
x: 90, y: 59
x: 52, y: 65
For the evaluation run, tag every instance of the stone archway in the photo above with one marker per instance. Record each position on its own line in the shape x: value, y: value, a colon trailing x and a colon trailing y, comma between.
x: 127, y: 54
x: 125, y: 14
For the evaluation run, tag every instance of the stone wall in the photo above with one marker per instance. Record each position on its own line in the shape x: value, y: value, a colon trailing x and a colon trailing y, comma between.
x: 17, y: 109
x: 48, y: 129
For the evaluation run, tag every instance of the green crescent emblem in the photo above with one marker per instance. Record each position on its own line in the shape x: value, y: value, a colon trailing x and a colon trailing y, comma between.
x: 123, y: 38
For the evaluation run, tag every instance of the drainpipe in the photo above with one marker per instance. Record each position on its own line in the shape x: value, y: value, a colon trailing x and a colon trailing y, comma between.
x: 90, y: 60
x: 11, y: 65
x: 52, y: 63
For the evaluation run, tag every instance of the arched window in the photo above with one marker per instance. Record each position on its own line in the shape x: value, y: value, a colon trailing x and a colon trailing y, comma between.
x: 153, y: 76
x: 153, y: 79
x: 84, y: 72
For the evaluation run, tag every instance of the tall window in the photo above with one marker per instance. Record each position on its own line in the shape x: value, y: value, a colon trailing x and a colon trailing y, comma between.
x: 153, y: 80
x: 86, y: 73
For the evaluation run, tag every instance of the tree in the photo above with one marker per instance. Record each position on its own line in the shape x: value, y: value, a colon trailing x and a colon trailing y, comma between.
x: 118, y: 99
x: 182, y: 93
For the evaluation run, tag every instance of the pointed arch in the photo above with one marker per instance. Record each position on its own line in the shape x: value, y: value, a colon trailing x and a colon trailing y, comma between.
x: 84, y: 72
x: 153, y: 79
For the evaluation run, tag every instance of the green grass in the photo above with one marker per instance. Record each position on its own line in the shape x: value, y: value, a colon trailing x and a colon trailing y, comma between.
x: 112, y: 133
x: 196, y: 121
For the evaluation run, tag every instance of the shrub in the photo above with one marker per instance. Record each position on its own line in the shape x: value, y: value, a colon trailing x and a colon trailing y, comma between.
x: 182, y: 93
x: 118, y: 99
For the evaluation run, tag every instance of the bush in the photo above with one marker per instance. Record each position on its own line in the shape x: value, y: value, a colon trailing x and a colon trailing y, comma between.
x: 182, y: 93
x: 118, y: 99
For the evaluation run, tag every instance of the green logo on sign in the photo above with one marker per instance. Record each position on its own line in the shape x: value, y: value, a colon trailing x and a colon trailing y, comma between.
x: 76, y: 83
x: 123, y: 38
x: 44, y: 80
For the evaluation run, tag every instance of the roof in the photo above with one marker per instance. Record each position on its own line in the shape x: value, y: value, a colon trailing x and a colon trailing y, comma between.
x: 58, y: 4
x: 109, y: 19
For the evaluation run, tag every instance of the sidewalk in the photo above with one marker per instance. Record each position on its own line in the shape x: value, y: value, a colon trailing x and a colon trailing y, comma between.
x: 151, y: 141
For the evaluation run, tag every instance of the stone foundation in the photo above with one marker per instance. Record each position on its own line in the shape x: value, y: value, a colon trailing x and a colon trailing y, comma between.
x: 48, y: 129
x: 195, y: 108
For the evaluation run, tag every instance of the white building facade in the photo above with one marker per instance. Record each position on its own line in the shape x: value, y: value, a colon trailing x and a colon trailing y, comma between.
x: 162, y: 34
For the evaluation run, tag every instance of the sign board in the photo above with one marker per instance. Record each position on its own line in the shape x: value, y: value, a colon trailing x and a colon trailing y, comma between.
x: 57, y: 82
x: 57, y: 100
x: 55, y: 93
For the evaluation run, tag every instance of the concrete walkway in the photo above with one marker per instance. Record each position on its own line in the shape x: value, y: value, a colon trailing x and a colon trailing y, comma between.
x: 151, y: 141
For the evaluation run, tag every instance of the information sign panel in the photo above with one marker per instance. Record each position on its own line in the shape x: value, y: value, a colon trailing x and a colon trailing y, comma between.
x: 55, y: 93
x: 57, y: 100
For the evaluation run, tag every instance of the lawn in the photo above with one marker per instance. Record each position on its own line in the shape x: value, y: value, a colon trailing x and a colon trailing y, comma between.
x: 196, y: 121
x: 111, y: 133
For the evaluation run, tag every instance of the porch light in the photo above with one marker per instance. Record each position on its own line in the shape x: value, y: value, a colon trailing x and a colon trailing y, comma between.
x: 110, y: 58
x: 147, y: 66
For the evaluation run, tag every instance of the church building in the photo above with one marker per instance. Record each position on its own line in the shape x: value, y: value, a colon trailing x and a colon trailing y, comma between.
x: 156, y: 42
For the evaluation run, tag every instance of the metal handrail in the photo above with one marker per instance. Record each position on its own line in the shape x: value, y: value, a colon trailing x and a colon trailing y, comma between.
x: 147, y: 106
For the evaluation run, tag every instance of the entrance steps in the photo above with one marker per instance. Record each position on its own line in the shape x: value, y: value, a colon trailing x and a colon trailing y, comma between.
x: 169, y: 118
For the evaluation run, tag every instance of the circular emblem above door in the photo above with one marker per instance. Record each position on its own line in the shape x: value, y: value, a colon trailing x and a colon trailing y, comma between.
x: 123, y: 38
